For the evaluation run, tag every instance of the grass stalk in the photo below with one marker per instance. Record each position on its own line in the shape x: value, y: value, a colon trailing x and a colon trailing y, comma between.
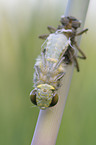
x: 49, y: 120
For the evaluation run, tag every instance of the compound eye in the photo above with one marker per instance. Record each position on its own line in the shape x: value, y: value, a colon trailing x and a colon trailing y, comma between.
x: 33, y: 96
x: 54, y: 100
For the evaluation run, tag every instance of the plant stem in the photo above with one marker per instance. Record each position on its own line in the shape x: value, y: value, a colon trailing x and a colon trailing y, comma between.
x: 49, y: 120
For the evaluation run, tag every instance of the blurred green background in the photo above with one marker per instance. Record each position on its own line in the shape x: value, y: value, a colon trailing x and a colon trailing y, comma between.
x: 21, y: 22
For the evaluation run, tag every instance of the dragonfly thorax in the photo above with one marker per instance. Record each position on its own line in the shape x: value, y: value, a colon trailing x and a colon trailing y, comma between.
x: 44, y: 95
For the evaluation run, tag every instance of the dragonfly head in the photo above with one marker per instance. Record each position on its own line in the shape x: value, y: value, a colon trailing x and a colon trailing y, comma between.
x: 44, y: 96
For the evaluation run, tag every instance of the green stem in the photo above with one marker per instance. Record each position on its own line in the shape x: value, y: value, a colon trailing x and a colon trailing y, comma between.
x: 49, y: 120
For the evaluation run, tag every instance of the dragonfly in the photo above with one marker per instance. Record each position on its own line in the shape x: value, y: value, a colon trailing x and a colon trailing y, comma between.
x: 57, y: 52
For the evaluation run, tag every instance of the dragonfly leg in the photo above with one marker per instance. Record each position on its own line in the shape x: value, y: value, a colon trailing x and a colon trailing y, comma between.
x: 60, y: 76
x: 37, y: 70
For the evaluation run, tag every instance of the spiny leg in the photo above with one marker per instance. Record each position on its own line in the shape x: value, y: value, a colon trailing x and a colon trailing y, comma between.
x: 37, y: 70
x: 51, y: 29
x: 58, y: 63
x: 82, y: 53
x: 83, y: 31
x: 60, y: 76
x: 43, y: 36
x: 76, y: 63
